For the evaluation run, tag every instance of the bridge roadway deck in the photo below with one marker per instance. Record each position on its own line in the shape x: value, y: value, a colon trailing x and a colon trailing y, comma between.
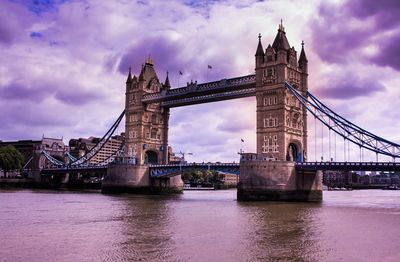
x: 351, y: 166
x: 234, y: 168
x: 194, y: 93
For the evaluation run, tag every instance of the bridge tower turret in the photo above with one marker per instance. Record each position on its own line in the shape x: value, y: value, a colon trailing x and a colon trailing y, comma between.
x: 270, y: 174
x: 280, y: 119
x: 146, y: 139
x: 146, y: 126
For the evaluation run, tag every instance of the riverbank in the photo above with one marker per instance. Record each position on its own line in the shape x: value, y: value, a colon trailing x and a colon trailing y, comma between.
x: 31, y: 184
x: 16, y: 183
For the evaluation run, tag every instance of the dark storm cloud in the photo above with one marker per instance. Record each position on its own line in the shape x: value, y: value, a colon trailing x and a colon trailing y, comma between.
x: 77, y: 96
x: 17, y: 115
x: 348, y: 86
x: 14, y: 19
x: 332, y: 37
x: 68, y: 93
x: 18, y: 91
x: 40, y: 6
x: 173, y: 56
x: 335, y: 37
x: 386, y: 12
x: 389, y: 54
x: 160, y: 49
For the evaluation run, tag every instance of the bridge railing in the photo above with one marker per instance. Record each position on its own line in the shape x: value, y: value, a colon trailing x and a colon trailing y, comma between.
x: 351, y: 166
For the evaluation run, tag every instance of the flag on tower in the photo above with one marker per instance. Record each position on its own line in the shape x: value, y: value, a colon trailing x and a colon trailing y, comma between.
x: 209, y: 67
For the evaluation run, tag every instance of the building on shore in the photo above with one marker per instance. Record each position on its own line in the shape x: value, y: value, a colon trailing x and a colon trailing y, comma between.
x: 174, y: 158
x: 81, y: 146
x: 32, y: 151
x: 230, y: 180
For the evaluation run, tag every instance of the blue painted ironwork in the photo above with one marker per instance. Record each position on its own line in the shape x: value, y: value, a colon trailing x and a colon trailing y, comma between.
x: 70, y: 157
x: 27, y: 163
x: 53, y: 160
x: 159, y: 171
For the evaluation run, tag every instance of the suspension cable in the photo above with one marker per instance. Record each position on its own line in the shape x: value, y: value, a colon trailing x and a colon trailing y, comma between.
x: 322, y: 144
x: 348, y: 150
x: 100, y: 144
x: 335, y: 145
x: 345, y: 128
x: 329, y: 131
x: 315, y: 138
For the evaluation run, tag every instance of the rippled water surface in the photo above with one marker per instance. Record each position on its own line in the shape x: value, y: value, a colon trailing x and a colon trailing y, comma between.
x: 198, y: 226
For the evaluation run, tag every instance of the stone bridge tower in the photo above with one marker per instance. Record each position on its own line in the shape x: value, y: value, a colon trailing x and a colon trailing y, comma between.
x: 146, y: 126
x: 271, y: 173
x: 146, y: 139
x: 281, y: 120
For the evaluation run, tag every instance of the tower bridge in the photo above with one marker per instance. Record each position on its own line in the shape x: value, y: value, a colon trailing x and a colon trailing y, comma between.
x: 278, y: 170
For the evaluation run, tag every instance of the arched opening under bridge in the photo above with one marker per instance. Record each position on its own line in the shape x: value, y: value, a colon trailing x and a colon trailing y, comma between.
x: 151, y: 157
x: 294, y: 153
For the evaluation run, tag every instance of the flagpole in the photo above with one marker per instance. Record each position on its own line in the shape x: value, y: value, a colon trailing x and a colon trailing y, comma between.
x: 208, y: 68
x: 179, y: 76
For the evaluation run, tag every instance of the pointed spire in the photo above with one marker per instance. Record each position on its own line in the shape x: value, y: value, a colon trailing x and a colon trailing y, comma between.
x: 303, y: 57
x: 141, y: 75
x: 149, y: 61
x: 281, y: 42
x: 260, y: 49
x: 129, y: 79
x: 281, y: 26
x: 166, y: 83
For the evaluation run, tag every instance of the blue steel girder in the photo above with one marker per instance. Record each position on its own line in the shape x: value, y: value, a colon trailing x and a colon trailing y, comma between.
x: 159, y: 171
x: 194, y: 93
x: 344, y: 127
x: 52, y: 160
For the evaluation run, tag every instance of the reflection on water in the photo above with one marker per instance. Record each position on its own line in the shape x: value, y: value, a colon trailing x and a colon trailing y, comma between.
x: 145, y: 235
x: 284, y: 231
x: 197, y: 226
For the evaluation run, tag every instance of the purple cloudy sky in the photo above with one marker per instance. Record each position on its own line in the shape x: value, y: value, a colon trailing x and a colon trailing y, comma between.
x: 64, y: 63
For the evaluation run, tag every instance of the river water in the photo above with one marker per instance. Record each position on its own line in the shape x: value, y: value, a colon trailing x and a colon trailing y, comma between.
x: 197, y: 226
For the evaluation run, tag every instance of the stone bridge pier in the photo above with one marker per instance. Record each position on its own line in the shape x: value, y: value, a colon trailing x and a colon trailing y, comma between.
x: 135, y: 179
x: 277, y: 181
